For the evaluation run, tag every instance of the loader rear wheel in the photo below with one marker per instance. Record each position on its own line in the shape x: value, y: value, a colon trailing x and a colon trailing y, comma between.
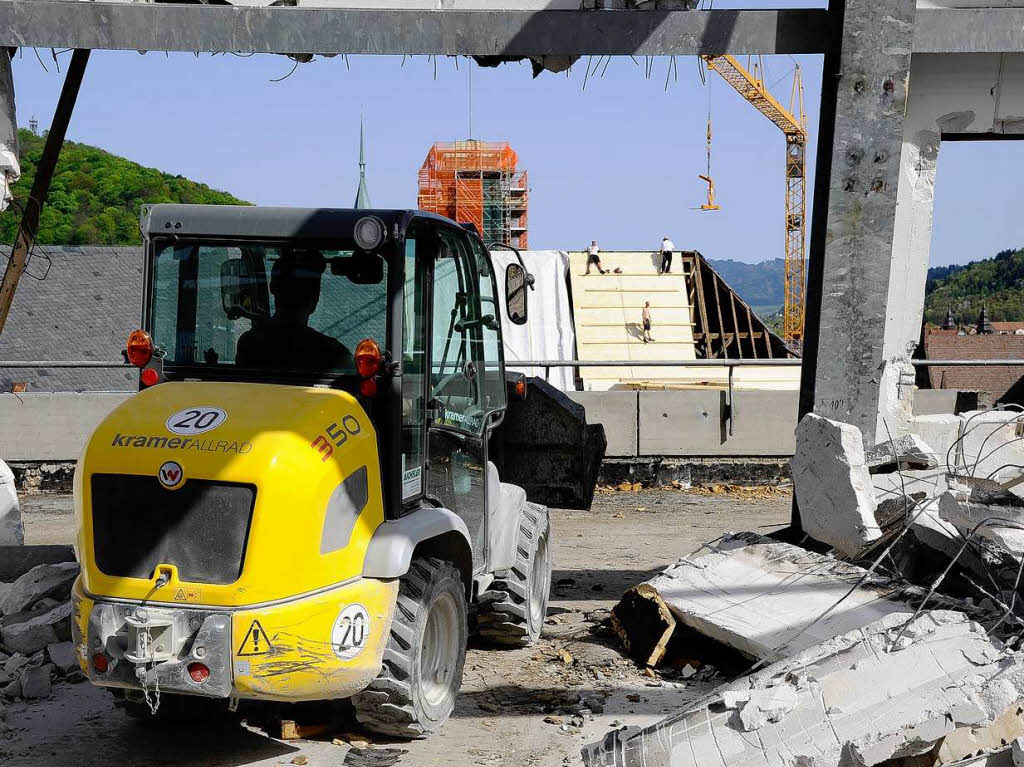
x: 414, y: 693
x: 513, y: 608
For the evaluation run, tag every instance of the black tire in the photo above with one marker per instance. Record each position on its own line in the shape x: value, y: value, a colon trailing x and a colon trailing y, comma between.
x: 513, y: 608
x: 414, y: 693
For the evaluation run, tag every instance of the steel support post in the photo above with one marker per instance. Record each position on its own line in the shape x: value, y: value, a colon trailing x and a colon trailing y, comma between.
x: 29, y: 227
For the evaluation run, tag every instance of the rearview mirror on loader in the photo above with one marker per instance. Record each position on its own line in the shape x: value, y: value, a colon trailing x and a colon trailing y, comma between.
x: 242, y: 292
x: 515, y: 293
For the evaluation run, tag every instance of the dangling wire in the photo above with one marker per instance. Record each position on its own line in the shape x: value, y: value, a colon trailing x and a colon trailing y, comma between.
x: 587, y: 75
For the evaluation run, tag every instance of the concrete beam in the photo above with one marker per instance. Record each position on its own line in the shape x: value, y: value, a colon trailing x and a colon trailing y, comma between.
x: 969, y: 30
x: 521, y: 28
x: 180, y: 27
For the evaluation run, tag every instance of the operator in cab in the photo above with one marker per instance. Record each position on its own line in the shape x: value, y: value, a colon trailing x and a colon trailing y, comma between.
x: 285, y: 341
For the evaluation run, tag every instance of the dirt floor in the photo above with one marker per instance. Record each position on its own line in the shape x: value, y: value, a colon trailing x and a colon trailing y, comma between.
x: 517, y: 708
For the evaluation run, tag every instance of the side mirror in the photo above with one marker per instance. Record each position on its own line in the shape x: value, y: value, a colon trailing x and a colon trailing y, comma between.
x: 242, y: 293
x: 362, y: 268
x: 515, y: 294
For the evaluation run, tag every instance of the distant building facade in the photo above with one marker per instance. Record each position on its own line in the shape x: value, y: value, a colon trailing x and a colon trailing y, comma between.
x: 479, y: 183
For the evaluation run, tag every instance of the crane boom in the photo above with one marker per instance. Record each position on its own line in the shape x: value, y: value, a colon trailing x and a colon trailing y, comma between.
x: 753, y: 89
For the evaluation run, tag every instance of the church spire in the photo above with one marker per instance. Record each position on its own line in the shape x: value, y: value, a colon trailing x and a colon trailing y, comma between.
x: 362, y: 194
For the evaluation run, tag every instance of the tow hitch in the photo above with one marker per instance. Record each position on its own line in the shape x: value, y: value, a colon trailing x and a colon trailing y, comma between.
x: 149, y: 649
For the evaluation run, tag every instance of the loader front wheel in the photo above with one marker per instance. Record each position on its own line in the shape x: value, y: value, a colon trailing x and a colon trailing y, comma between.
x: 513, y: 608
x: 414, y: 693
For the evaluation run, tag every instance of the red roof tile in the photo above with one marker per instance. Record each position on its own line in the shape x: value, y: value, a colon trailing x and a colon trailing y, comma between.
x: 946, y: 346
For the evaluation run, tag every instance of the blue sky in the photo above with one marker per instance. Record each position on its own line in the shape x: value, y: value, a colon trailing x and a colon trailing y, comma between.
x: 617, y: 162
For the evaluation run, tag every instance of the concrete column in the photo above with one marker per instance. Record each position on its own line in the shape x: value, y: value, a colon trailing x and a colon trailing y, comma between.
x: 10, y: 169
x: 952, y: 97
x: 845, y: 338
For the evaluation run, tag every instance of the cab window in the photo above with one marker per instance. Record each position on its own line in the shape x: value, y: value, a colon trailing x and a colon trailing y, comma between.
x: 453, y: 370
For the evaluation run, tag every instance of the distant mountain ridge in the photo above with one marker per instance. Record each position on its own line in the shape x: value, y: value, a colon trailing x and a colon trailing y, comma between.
x: 760, y: 284
x: 95, y: 196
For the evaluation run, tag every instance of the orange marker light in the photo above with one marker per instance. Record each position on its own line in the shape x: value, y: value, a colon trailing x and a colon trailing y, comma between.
x: 368, y: 357
x: 140, y: 348
x: 150, y: 377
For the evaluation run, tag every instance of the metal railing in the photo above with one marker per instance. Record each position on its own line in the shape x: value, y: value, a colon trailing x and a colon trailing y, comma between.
x: 547, y: 365
x: 732, y: 363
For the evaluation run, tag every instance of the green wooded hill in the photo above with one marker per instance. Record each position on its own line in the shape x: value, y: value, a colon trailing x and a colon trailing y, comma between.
x: 998, y: 283
x: 760, y: 284
x: 96, y: 196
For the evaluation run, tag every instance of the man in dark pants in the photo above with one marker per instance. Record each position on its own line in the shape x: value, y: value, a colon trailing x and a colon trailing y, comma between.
x: 594, y: 257
x: 666, y: 254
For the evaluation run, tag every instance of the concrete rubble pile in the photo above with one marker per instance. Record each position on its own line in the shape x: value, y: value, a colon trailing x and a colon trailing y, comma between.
x: 891, y: 635
x: 882, y: 692
x: 35, y: 632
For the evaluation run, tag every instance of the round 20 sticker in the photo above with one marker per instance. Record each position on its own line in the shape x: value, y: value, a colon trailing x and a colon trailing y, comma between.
x: 196, y: 420
x: 351, y: 630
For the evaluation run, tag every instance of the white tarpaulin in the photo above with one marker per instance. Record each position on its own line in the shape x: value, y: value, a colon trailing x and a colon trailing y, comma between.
x: 548, y: 333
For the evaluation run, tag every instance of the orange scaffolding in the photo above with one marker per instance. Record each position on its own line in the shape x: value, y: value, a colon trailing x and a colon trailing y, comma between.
x: 477, y: 182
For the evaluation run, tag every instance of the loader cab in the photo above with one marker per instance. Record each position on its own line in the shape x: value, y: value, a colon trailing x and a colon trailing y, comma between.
x: 399, y: 308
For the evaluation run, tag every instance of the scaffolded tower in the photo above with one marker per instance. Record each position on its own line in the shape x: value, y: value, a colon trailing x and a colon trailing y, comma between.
x: 477, y: 182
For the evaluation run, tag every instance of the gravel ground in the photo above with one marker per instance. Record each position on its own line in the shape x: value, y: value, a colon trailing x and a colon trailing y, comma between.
x: 506, y: 695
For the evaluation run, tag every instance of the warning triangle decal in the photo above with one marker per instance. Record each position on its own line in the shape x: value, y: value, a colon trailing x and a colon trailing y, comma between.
x: 255, y: 642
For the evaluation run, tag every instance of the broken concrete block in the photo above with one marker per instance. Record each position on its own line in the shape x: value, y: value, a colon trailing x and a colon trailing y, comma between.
x: 643, y: 623
x: 40, y: 582
x: 968, y: 741
x: 992, y: 445
x: 35, y: 682
x: 765, y: 598
x: 1017, y: 752
x: 758, y: 707
x: 965, y: 514
x: 12, y: 532
x: 62, y: 655
x: 940, y: 433
x: 833, y: 486
x: 38, y: 632
x: 860, y: 701
x: 15, y: 663
x: 890, y: 487
x: 904, y: 453
x: 13, y: 690
x: 15, y: 561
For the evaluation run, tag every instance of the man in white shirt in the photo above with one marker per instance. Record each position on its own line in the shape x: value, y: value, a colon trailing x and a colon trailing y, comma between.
x: 666, y: 254
x: 594, y: 257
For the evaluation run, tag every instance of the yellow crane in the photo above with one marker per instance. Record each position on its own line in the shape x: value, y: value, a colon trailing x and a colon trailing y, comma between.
x: 751, y: 86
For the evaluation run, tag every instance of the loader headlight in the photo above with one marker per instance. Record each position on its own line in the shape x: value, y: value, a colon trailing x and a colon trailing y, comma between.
x: 369, y: 232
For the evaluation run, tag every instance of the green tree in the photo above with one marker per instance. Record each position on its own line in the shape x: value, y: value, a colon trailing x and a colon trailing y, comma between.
x: 996, y: 283
x: 95, y: 197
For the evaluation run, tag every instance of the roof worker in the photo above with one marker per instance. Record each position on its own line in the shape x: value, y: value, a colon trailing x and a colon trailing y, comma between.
x: 667, y: 247
x: 594, y: 257
x: 285, y: 341
x: 646, y: 317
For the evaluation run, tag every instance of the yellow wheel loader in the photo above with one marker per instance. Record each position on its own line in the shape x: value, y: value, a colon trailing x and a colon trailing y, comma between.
x: 298, y: 504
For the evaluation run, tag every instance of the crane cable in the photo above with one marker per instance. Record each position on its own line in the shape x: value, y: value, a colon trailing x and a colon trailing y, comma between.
x: 710, y: 204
